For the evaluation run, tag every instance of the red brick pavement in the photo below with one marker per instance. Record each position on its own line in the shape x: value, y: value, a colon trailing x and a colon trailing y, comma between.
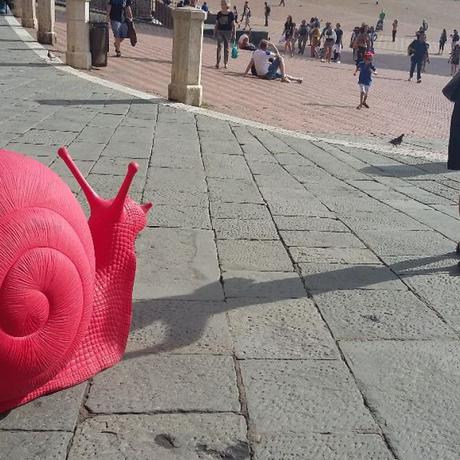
x: 324, y: 103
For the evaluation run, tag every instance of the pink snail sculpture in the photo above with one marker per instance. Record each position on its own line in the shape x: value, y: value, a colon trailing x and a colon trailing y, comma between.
x: 65, y: 283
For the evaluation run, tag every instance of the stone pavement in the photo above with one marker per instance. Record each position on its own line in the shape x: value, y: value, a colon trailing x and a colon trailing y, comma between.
x: 293, y: 299
x: 325, y: 103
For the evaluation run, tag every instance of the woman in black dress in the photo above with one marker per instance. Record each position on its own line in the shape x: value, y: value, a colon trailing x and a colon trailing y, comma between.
x: 453, y: 161
x: 288, y: 33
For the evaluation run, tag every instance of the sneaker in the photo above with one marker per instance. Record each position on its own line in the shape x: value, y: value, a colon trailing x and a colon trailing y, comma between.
x: 419, y: 81
x: 338, y: 62
x: 409, y: 79
x: 118, y: 53
x: 365, y: 105
x: 359, y: 107
x: 322, y: 60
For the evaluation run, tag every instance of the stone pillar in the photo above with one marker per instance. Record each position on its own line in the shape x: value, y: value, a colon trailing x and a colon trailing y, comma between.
x: 17, y: 8
x: 185, y: 83
x: 46, y: 17
x: 29, y: 16
x: 78, y: 54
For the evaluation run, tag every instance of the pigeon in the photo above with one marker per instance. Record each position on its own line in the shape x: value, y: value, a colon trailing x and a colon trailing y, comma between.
x: 397, y: 140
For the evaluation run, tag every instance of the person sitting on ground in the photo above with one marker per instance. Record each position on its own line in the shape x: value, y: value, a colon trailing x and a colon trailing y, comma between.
x: 205, y: 7
x: 244, y: 43
x: 261, y: 66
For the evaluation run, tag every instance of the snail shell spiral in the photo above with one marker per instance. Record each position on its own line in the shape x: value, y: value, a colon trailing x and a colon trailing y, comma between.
x: 46, y: 275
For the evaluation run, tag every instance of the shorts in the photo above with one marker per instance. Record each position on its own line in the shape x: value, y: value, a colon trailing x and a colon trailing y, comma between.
x: 273, y: 73
x: 119, y: 29
x: 328, y: 44
x: 364, y: 88
x: 337, y: 48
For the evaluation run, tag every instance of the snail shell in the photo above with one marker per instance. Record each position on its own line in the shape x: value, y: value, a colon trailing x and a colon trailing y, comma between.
x: 46, y: 274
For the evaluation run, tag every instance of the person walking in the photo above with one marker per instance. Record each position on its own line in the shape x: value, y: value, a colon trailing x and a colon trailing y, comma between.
x: 394, y: 30
x: 442, y: 41
x: 267, y: 11
x: 302, y: 36
x: 455, y: 39
x: 338, y: 43
x: 282, y: 3
x: 288, y: 33
x: 119, y: 12
x: 366, y: 69
x: 329, y: 41
x: 315, y: 40
x: 454, y: 59
x: 246, y: 16
x: 235, y: 15
x: 418, y: 51
x: 224, y: 31
x: 361, y: 43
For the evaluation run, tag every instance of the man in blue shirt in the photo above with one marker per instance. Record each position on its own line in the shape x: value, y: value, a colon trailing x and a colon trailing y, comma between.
x: 366, y: 69
x: 418, y: 51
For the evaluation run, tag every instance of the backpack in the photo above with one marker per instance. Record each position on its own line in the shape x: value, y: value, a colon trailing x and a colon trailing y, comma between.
x: 329, y: 34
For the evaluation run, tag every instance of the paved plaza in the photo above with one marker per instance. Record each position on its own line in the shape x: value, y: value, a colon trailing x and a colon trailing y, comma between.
x: 293, y: 298
x: 324, y: 104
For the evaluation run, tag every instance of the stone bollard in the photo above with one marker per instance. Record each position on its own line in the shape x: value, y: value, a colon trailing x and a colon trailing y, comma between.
x: 17, y: 8
x: 46, y: 18
x: 29, y: 15
x: 78, y: 54
x: 185, y: 83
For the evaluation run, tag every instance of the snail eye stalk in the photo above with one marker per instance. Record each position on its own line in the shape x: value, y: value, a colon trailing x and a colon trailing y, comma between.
x: 93, y: 198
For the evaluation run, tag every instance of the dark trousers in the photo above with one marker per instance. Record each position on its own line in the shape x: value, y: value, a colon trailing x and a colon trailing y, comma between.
x: 416, y: 63
x: 393, y: 34
x: 453, y: 161
x: 266, y: 21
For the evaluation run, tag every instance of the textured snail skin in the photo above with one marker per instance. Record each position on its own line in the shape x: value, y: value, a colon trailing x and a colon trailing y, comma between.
x: 65, y: 283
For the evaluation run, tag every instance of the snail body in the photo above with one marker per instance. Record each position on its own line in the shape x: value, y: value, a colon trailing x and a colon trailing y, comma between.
x: 65, y: 282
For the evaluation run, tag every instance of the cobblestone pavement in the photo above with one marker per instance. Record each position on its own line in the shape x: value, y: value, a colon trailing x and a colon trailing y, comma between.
x: 293, y: 299
x: 325, y: 103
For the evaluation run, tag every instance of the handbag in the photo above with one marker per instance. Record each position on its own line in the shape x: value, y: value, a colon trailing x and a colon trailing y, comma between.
x: 235, y: 52
x: 132, y: 33
x: 452, y: 89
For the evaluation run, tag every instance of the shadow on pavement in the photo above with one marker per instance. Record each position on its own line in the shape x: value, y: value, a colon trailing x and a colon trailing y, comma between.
x: 185, y: 325
x: 407, y: 170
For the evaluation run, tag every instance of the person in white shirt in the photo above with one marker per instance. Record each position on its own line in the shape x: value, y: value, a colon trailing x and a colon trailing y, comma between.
x: 269, y: 66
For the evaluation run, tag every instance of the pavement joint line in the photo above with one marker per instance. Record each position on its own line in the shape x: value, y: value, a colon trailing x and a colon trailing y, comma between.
x: 42, y: 52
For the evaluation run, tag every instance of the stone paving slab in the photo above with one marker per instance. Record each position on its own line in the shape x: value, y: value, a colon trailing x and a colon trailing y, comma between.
x: 322, y: 446
x: 377, y: 314
x: 171, y: 383
x: 30, y: 445
x: 398, y: 379
x: 286, y: 329
x: 56, y: 412
x: 161, y: 436
x: 292, y: 397
x: 189, y: 327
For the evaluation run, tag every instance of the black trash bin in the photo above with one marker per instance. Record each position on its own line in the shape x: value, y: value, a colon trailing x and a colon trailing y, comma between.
x: 99, y: 43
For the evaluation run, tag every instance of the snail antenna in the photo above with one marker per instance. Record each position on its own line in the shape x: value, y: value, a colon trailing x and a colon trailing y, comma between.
x: 91, y: 195
x: 119, y: 200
